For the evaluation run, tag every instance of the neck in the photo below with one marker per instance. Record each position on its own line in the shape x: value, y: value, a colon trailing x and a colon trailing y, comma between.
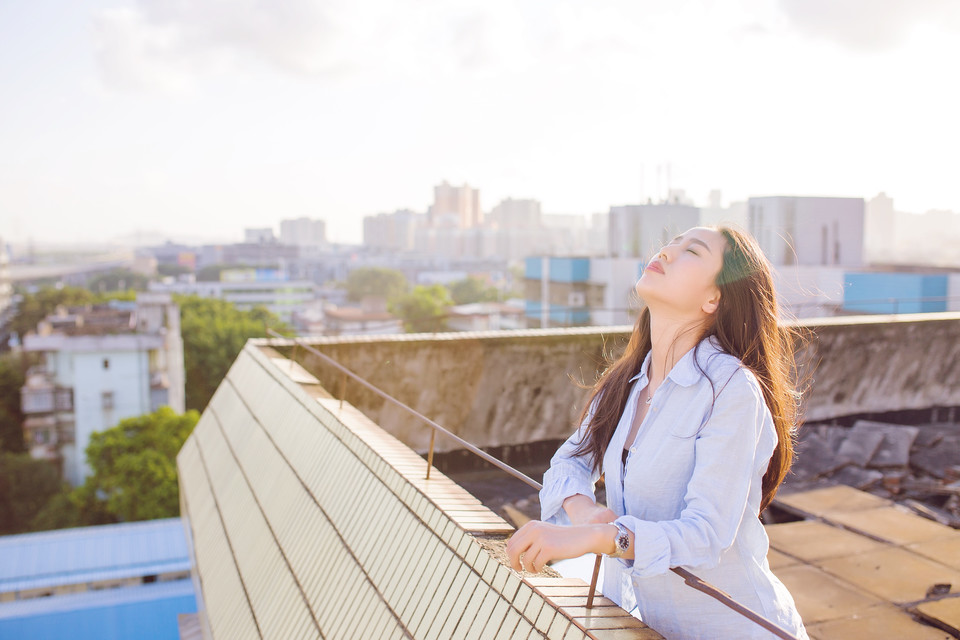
x: 670, y: 339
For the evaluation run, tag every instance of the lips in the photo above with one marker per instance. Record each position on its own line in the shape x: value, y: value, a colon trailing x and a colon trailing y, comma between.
x: 654, y: 266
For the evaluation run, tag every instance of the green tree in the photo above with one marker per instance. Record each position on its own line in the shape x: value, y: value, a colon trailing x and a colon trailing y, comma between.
x: 34, y: 307
x: 135, y: 468
x: 472, y: 289
x: 375, y: 281
x: 26, y: 485
x: 118, y: 280
x: 423, y: 309
x: 214, y: 332
x: 62, y: 512
x: 11, y: 418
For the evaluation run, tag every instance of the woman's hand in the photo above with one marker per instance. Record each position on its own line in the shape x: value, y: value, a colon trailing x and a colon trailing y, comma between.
x: 540, y: 543
x: 582, y: 510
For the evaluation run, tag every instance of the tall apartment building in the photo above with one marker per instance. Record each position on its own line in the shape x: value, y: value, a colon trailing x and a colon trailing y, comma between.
x: 99, y: 365
x: 808, y: 231
x: 392, y: 231
x: 303, y: 232
x: 455, y: 206
x: 258, y: 235
x: 636, y: 231
x: 516, y: 214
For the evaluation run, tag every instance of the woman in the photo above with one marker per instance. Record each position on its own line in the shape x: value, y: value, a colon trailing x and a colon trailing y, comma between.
x: 692, y: 427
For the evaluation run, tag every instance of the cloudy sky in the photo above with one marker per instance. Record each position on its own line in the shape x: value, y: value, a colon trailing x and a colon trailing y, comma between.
x: 198, y: 118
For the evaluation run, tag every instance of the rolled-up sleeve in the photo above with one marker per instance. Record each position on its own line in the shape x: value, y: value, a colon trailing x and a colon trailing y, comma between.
x: 568, y: 475
x: 726, y: 466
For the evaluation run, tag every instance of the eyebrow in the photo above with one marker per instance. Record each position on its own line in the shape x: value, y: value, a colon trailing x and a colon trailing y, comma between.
x: 693, y: 241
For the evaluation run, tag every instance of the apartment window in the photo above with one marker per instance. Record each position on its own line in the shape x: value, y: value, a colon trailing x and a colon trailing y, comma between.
x: 106, y: 363
x: 106, y: 400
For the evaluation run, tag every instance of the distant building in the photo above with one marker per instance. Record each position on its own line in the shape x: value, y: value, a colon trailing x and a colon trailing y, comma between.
x: 516, y: 214
x: 258, y: 235
x: 485, y: 316
x: 566, y: 291
x: 455, y: 207
x: 303, y: 232
x: 250, y: 287
x: 636, y: 231
x: 880, y: 229
x: 558, y: 291
x: 99, y: 365
x: 257, y: 254
x: 110, y: 582
x: 358, y: 321
x: 392, y: 231
x: 921, y: 291
x: 808, y: 231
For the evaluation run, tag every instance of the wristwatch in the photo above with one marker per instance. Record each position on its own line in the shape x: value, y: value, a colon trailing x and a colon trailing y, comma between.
x: 621, y: 542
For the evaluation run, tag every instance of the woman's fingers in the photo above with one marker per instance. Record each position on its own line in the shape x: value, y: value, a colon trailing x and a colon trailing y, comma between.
x: 525, y: 548
x: 518, y: 544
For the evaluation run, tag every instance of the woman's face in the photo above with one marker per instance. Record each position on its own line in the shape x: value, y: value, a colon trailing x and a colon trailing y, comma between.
x: 683, y: 274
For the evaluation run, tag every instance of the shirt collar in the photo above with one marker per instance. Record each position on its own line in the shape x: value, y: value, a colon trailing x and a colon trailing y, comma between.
x: 685, y: 372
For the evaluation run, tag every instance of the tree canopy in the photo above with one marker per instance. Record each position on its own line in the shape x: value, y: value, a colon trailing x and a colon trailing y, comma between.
x: 214, y: 332
x: 375, y: 281
x: 135, y: 468
x: 472, y: 289
x: 34, y: 307
x: 424, y: 309
x: 11, y: 417
x: 26, y: 485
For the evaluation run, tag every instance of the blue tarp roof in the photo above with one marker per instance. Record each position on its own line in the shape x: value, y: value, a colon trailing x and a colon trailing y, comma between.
x: 89, y: 554
x: 145, y: 612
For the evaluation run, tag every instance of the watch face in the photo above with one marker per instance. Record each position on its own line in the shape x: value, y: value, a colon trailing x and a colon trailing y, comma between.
x: 623, y: 542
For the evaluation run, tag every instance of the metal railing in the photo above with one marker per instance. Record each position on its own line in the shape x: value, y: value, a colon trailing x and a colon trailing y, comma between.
x: 689, y: 578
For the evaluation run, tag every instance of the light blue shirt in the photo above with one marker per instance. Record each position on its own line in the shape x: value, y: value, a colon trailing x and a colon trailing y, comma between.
x: 690, y: 492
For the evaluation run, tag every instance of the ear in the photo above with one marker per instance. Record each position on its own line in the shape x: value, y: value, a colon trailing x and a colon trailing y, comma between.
x: 712, y: 303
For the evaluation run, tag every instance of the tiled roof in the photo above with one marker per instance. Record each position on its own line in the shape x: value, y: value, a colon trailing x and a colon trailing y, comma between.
x: 308, y: 520
x: 861, y: 567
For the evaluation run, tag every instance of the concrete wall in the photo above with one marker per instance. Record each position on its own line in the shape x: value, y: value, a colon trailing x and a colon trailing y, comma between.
x: 504, y: 388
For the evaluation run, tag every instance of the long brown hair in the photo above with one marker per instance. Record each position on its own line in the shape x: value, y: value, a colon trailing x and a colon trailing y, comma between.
x: 747, y: 326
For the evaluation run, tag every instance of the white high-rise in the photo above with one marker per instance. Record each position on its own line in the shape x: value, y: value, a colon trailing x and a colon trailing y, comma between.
x: 808, y: 231
x: 303, y: 232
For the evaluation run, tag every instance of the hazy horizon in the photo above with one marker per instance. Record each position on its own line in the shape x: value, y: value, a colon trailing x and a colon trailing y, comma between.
x: 197, y: 120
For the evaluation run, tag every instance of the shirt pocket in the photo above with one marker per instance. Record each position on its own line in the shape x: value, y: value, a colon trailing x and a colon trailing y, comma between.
x: 685, y: 429
x: 687, y: 422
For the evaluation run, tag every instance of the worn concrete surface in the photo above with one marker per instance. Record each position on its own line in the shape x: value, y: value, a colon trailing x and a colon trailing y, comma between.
x: 513, y: 387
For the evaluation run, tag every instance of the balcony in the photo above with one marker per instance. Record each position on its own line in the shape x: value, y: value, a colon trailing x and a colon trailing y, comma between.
x: 46, y: 400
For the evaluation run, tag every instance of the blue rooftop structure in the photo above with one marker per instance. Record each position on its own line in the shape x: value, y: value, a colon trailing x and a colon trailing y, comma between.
x: 147, y: 612
x: 111, y: 581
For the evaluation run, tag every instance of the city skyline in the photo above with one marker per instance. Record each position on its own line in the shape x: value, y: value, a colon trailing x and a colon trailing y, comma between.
x: 126, y: 117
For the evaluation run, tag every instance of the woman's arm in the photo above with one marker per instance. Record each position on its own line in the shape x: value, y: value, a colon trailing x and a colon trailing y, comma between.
x: 569, y: 475
x: 541, y: 542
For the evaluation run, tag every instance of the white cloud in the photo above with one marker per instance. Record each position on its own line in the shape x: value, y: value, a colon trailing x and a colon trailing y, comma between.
x: 167, y: 43
x: 869, y: 25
